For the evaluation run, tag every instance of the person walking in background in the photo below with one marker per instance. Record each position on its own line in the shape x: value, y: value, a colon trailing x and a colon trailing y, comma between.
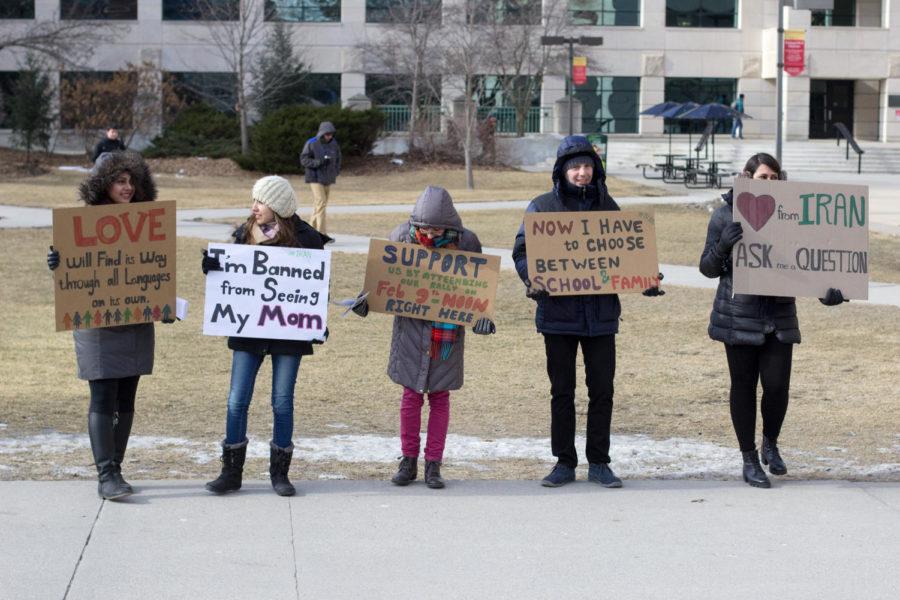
x: 427, y: 356
x: 758, y: 332
x: 737, y: 123
x: 112, y: 359
x: 110, y: 143
x: 272, y: 222
x: 321, y: 159
x: 591, y: 321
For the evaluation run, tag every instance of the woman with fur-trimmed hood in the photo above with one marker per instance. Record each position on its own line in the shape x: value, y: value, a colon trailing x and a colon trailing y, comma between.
x: 112, y: 359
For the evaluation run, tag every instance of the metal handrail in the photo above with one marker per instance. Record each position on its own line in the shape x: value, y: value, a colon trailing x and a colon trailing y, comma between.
x: 843, y: 132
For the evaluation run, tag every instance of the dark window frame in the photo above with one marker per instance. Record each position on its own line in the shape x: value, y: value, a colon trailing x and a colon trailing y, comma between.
x: 608, y: 84
x: 23, y: 10
x: 379, y: 11
x: 703, y: 18
x: 581, y: 16
x: 98, y: 10
x: 277, y: 11
x: 189, y: 10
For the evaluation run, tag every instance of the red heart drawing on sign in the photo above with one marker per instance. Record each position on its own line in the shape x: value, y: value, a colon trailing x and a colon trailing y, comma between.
x: 756, y: 209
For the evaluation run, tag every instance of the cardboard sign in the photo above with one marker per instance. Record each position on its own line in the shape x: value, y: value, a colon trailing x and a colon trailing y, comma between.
x: 594, y: 252
x: 117, y: 264
x: 801, y: 238
x: 432, y: 284
x: 267, y: 292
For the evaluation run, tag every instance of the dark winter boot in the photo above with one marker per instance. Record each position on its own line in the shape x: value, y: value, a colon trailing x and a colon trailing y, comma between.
x: 433, y: 475
x: 771, y: 457
x: 100, y: 430
x: 407, y: 471
x: 121, y: 432
x: 753, y: 471
x: 229, y: 480
x: 279, y: 465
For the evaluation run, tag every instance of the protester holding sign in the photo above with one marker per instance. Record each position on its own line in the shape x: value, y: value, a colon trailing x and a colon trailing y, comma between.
x: 758, y: 333
x: 427, y: 356
x: 589, y: 320
x: 272, y: 222
x: 112, y: 359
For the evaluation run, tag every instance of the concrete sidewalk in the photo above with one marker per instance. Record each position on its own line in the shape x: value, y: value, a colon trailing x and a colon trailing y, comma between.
x: 475, y: 539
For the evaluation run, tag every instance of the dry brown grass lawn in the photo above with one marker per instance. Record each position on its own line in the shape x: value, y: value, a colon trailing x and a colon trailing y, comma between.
x: 671, y: 379
x: 58, y: 189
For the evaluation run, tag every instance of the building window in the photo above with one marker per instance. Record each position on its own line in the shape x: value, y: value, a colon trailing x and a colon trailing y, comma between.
x: 609, y: 104
x: 321, y: 89
x: 393, y: 96
x: 214, y: 88
x: 304, y: 11
x: 17, y: 9
x: 505, y: 12
x: 843, y: 15
x: 402, y: 11
x: 701, y: 91
x: 8, y: 80
x: 120, y: 10
x: 201, y: 10
x: 496, y: 96
x: 701, y: 13
x: 89, y: 98
x: 605, y: 12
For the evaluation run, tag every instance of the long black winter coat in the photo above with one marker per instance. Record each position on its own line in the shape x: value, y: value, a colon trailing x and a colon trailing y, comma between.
x: 307, y: 237
x: 586, y: 315
x: 742, y: 319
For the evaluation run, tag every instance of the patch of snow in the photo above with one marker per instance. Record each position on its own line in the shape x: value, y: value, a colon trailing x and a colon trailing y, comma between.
x: 338, y: 425
x: 76, y: 169
x: 6, y: 468
x: 331, y: 476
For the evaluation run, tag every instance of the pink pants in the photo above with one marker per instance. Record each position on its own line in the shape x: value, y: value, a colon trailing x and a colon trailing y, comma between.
x: 411, y: 423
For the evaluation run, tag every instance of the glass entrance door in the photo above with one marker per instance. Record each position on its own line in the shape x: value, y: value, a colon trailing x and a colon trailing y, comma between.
x: 830, y: 102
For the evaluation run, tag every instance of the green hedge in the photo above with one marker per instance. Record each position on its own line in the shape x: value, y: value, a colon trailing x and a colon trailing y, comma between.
x: 277, y: 140
x: 199, y: 130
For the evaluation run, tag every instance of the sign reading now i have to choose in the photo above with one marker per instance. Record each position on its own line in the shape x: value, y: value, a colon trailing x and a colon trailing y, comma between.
x: 801, y: 238
x: 117, y: 264
x: 267, y: 292
x: 591, y: 252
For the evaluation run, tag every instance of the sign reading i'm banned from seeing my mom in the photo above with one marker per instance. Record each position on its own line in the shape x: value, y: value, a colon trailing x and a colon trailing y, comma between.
x: 267, y: 292
x: 592, y: 252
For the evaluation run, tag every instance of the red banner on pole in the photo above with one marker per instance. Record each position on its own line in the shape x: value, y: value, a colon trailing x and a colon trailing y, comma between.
x: 579, y: 70
x: 794, y: 51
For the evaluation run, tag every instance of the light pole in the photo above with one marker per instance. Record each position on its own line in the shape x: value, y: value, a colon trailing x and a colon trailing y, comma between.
x: 779, y: 83
x: 560, y: 40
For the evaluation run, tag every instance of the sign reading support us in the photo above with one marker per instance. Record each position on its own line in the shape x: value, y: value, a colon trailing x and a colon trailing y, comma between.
x: 267, y: 292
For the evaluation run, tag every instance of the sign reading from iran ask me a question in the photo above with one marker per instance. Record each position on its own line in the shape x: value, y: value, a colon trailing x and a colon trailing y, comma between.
x: 268, y: 292
x: 117, y: 265
x: 592, y: 252
x: 431, y: 284
x: 801, y: 238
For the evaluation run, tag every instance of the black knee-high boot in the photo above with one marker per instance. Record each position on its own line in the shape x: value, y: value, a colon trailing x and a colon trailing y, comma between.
x: 122, y: 431
x: 101, y: 431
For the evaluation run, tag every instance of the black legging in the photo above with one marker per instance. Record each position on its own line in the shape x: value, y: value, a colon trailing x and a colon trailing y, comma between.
x: 771, y: 364
x: 109, y: 396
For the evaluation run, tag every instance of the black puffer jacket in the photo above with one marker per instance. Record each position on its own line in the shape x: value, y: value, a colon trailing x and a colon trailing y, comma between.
x: 742, y: 319
x: 307, y: 237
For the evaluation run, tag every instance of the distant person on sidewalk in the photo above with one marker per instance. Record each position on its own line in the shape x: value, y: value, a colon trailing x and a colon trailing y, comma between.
x: 427, y: 356
x: 758, y: 332
x: 112, y: 359
x: 321, y: 158
x: 737, y: 124
x: 567, y: 322
x: 272, y: 222
x: 109, y: 143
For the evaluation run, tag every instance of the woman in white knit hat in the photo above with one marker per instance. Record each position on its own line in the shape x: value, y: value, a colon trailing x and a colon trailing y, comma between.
x: 272, y: 222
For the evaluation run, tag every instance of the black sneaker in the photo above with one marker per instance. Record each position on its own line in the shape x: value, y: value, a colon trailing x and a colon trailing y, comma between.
x: 602, y: 474
x: 560, y: 475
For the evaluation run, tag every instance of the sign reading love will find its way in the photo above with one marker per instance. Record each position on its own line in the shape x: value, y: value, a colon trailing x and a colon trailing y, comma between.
x: 801, y: 238
x: 591, y: 252
x: 267, y: 292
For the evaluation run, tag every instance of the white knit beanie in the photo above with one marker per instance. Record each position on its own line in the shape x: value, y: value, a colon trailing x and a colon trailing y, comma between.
x: 276, y: 193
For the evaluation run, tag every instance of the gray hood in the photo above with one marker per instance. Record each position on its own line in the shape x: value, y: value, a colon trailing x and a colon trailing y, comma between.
x: 326, y: 127
x: 434, y: 208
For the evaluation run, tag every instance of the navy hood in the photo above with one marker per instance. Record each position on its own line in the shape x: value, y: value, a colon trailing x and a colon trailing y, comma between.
x: 577, y: 145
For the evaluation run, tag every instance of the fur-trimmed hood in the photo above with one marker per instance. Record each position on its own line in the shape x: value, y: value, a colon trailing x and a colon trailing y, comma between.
x: 93, y: 190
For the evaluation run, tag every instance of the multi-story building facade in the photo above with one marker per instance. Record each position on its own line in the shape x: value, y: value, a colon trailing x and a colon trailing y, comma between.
x: 653, y: 51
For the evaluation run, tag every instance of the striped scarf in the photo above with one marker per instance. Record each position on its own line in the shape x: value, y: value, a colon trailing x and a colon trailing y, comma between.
x: 443, y: 335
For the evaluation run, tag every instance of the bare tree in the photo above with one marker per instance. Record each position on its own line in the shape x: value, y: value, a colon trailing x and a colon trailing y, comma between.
x: 408, y: 52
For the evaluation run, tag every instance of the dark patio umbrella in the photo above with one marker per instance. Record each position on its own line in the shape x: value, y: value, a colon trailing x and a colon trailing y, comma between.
x: 713, y: 112
x: 658, y: 109
x: 675, y: 112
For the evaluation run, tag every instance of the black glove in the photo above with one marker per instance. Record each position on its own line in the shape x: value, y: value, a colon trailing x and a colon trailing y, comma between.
x: 210, y: 264
x: 729, y: 237
x: 535, y: 294
x: 833, y: 297
x: 654, y: 291
x: 168, y: 321
x: 361, y: 306
x: 52, y: 259
x: 322, y: 341
x: 484, y: 326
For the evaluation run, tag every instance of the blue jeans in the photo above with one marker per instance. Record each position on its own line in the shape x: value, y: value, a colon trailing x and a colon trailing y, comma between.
x: 244, y: 367
x: 737, y: 128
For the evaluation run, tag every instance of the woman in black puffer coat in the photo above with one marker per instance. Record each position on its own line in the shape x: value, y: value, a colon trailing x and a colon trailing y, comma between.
x: 758, y: 332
